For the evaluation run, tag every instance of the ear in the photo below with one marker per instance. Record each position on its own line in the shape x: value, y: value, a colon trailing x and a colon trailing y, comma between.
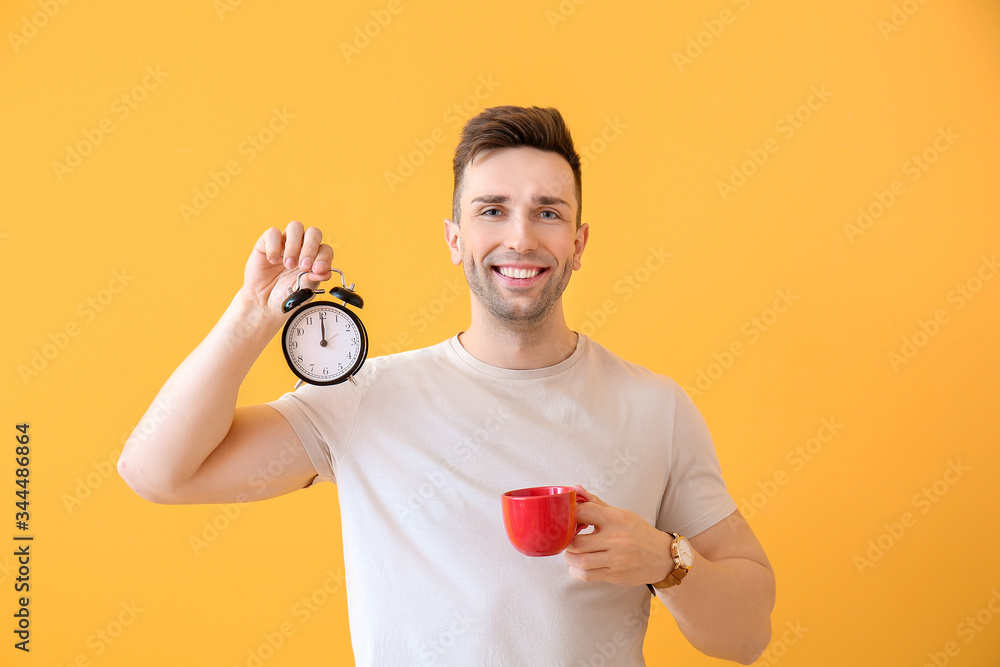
x: 582, y: 235
x: 451, y: 237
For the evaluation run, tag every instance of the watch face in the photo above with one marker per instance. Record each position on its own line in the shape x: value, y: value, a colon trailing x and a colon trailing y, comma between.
x: 324, y: 343
x: 684, y: 552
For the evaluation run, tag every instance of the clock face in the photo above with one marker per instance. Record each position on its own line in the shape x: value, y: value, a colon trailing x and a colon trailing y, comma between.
x: 324, y: 343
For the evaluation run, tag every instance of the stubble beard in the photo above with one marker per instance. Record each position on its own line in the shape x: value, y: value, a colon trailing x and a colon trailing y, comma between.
x: 505, y: 311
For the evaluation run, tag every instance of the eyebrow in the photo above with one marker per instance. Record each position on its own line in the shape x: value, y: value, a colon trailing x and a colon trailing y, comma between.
x: 543, y: 200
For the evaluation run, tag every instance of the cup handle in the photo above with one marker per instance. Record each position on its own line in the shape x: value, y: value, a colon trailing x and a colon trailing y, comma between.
x: 579, y: 501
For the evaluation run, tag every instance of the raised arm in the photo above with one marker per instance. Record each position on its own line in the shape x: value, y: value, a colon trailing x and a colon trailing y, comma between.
x: 194, y: 445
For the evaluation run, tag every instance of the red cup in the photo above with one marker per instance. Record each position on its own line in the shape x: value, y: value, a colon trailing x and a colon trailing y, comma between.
x: 541, y: 521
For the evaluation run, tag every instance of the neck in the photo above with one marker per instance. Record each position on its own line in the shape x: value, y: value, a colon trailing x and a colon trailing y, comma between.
x: 519, y: 347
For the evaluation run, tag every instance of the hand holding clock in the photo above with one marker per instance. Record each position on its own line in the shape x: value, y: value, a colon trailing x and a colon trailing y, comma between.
x: 277, y: 259
x: 299, y: 260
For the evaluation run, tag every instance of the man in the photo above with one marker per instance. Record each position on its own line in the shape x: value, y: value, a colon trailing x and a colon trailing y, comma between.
x: 424, y: 445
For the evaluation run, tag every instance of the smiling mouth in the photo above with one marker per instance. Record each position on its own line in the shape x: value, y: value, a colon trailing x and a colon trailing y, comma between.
x: 517, y: 273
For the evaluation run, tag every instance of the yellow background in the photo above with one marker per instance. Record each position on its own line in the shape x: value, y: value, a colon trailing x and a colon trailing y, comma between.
x: 662, y: 132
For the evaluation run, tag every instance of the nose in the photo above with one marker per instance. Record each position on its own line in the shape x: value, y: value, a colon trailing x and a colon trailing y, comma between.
x: 520, y: 233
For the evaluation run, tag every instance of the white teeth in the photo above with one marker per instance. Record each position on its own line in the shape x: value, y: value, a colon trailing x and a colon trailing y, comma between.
x: 511, y: 272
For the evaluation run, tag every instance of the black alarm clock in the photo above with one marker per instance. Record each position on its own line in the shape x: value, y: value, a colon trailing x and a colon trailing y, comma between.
x: 324, y: 342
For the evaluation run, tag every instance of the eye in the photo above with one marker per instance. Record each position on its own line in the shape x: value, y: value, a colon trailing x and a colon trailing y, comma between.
x: 550, y: 215
x: 489, y: 211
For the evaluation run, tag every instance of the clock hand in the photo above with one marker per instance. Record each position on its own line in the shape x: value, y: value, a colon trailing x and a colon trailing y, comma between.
x: 322, y: 331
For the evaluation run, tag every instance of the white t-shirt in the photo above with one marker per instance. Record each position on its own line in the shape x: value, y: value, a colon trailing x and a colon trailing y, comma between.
x: 422, y: 450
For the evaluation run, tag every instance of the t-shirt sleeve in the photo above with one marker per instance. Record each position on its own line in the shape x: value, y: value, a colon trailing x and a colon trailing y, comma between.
x: 696, y: 497
x: 302, y: 415
x: 324, y: 419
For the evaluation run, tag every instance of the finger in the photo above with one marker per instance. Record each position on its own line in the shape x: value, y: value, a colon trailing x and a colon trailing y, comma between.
x: 591, y: 514
x: 310, y: 248
x: 588, y: 496
x: 293, y: 243
x: 324, y: 261
x: 586, y: 544
x: 591, y: 573
x: 269, y: 245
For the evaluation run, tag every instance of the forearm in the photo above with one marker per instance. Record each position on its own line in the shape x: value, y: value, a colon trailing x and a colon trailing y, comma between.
x: 194, y: 410
x: 724, y: 607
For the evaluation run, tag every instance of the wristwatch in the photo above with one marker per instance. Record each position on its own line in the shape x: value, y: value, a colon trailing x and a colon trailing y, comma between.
x: 683, y: 555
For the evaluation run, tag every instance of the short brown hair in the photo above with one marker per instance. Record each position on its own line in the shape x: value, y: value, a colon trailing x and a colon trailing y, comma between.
x: 509, y: 127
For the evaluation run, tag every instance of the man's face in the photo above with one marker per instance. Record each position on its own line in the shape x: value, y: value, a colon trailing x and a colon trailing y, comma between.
x: 517, y: 238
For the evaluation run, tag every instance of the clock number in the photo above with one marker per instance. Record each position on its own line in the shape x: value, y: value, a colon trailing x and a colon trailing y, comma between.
x: 309, y: 321
x: 293, y: 345
x: 326, y: 371
x: 299, y: 358
x: 299, y: 331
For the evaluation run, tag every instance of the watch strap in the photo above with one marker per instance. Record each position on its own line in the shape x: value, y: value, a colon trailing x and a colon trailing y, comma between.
x: 678, y: 572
